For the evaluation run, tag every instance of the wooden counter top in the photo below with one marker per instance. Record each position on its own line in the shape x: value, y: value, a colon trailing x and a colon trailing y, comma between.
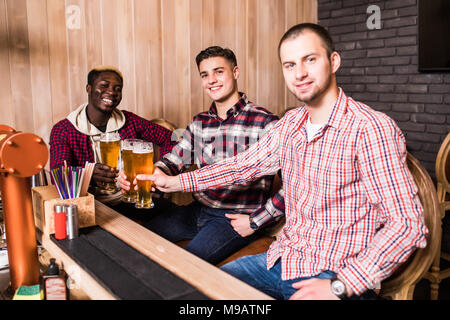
x: 207, y: 278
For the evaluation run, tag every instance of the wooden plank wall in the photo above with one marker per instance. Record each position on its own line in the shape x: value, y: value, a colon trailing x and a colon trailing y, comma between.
x: 48, y: 46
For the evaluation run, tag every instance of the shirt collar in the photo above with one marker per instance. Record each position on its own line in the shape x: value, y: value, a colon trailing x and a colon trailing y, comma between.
x: 234, y: 110
x: 337, y: 115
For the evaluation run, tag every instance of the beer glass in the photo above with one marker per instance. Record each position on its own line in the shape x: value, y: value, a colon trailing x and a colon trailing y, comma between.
x: 109, y: 152
x: 129, y: 166
x: 143, y: 156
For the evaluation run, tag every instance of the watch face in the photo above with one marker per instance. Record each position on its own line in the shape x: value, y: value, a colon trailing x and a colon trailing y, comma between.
x: 337, y: 287
x: 253, y: 225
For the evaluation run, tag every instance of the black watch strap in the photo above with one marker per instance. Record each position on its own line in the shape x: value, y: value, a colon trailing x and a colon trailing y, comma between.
x: 253, y: 225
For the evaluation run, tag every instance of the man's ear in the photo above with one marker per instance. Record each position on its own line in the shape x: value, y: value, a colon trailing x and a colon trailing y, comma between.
x: 236, y: 72
x: 335, y: 60
x: 88, y: 88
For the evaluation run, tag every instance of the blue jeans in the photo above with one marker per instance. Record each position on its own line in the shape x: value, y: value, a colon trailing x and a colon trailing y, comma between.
x: 253, y: 271
x: 212, y: 236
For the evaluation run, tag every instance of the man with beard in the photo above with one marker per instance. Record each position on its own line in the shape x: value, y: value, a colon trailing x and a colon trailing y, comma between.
x: 75, y: 139
x: 352, y: 210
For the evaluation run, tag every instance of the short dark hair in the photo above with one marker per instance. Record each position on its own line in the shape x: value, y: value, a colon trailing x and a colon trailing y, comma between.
x: 96, y: 71
x: 324, y: 35
x: 216, y: 51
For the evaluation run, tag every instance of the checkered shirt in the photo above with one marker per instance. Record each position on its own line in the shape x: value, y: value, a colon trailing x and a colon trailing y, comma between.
x: 209, y: 139
x: 69, y: 144
x: 351, y: 203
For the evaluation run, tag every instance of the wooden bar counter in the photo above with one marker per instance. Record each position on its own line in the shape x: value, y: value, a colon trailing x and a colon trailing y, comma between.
x: 206, y: 278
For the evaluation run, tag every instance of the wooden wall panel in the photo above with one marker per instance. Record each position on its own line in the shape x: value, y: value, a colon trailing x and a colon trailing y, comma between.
x: 124, y: 18
x: 183, y: 63
x: 169, y: 54
x: 44, y: 59
x: 109, y: 27
x: 76, y: 52
x: 195, y: 46
x: 59, y: 61
x: 7, y: 114
x: 251, y: 72
x: 19, y: 53
x: 93, y: 27
x: 39, y: 66
x: 241, y: 47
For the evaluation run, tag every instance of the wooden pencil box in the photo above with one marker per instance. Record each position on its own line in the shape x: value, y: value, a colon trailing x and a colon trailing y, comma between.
x: 44, y: 200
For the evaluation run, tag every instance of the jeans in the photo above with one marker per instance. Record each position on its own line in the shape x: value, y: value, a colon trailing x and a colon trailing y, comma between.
x: 253, y: 271
x: 212, y: 236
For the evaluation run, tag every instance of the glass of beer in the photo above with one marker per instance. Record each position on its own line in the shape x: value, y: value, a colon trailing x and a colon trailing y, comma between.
x: 143, y: 157
x: 128, y: 159
x: 109, y: 152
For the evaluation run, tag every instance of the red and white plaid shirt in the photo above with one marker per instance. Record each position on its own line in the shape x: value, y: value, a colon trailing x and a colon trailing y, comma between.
x: 351, y: 203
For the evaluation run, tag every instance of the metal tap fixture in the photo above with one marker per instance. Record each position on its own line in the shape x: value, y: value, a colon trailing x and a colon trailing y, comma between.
x: 22, y: 155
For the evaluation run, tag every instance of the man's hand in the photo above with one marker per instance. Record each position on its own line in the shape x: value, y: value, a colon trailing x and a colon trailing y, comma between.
x: 315, y: 289
x: 240, y: 224
x: 124, y: 184
x: 155, y: 193
x: 103, y: 174
x: 162, y: 181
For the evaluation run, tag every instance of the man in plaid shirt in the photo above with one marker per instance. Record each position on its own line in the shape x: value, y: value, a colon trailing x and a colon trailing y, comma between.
x: 75, y: 139
x: 352, y: 210
x: 218, y: 221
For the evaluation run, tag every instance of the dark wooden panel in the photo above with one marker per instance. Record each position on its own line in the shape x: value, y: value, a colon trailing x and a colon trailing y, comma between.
x: 123, y: 270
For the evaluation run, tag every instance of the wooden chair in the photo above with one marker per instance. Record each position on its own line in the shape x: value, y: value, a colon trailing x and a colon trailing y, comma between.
x: 400, y: 285
x: 165, y: 124
x: 435, y: 275
x: 179, y: 198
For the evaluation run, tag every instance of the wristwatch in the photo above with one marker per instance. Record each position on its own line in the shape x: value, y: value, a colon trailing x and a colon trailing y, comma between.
x: 338, y: 288
x: 253, y: 225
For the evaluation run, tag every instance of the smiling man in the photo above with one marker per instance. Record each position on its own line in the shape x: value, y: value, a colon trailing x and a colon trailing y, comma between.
x: 220, y: 221
x: 352, y: 210
x: 75, y: 139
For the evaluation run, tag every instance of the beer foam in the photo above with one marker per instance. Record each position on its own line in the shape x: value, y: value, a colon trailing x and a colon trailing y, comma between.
x: 141, y: 151
x: 109, y: 140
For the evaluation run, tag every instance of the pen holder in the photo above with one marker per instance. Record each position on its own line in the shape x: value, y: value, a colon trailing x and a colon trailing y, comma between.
x: 44, y: 200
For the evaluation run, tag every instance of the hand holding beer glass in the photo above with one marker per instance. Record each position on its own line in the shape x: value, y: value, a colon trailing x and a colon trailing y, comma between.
x: 129, y: 167
x: 143, y: 157
x: 109, y: 152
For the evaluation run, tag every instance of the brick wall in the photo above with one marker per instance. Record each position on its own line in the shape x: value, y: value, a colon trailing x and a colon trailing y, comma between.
x: 380, y: 68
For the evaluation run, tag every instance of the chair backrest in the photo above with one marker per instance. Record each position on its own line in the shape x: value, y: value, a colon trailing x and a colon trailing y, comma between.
x: 165, y: 124
x: 409, y: 273
x: 179, y: 198
x: 443, y: 169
